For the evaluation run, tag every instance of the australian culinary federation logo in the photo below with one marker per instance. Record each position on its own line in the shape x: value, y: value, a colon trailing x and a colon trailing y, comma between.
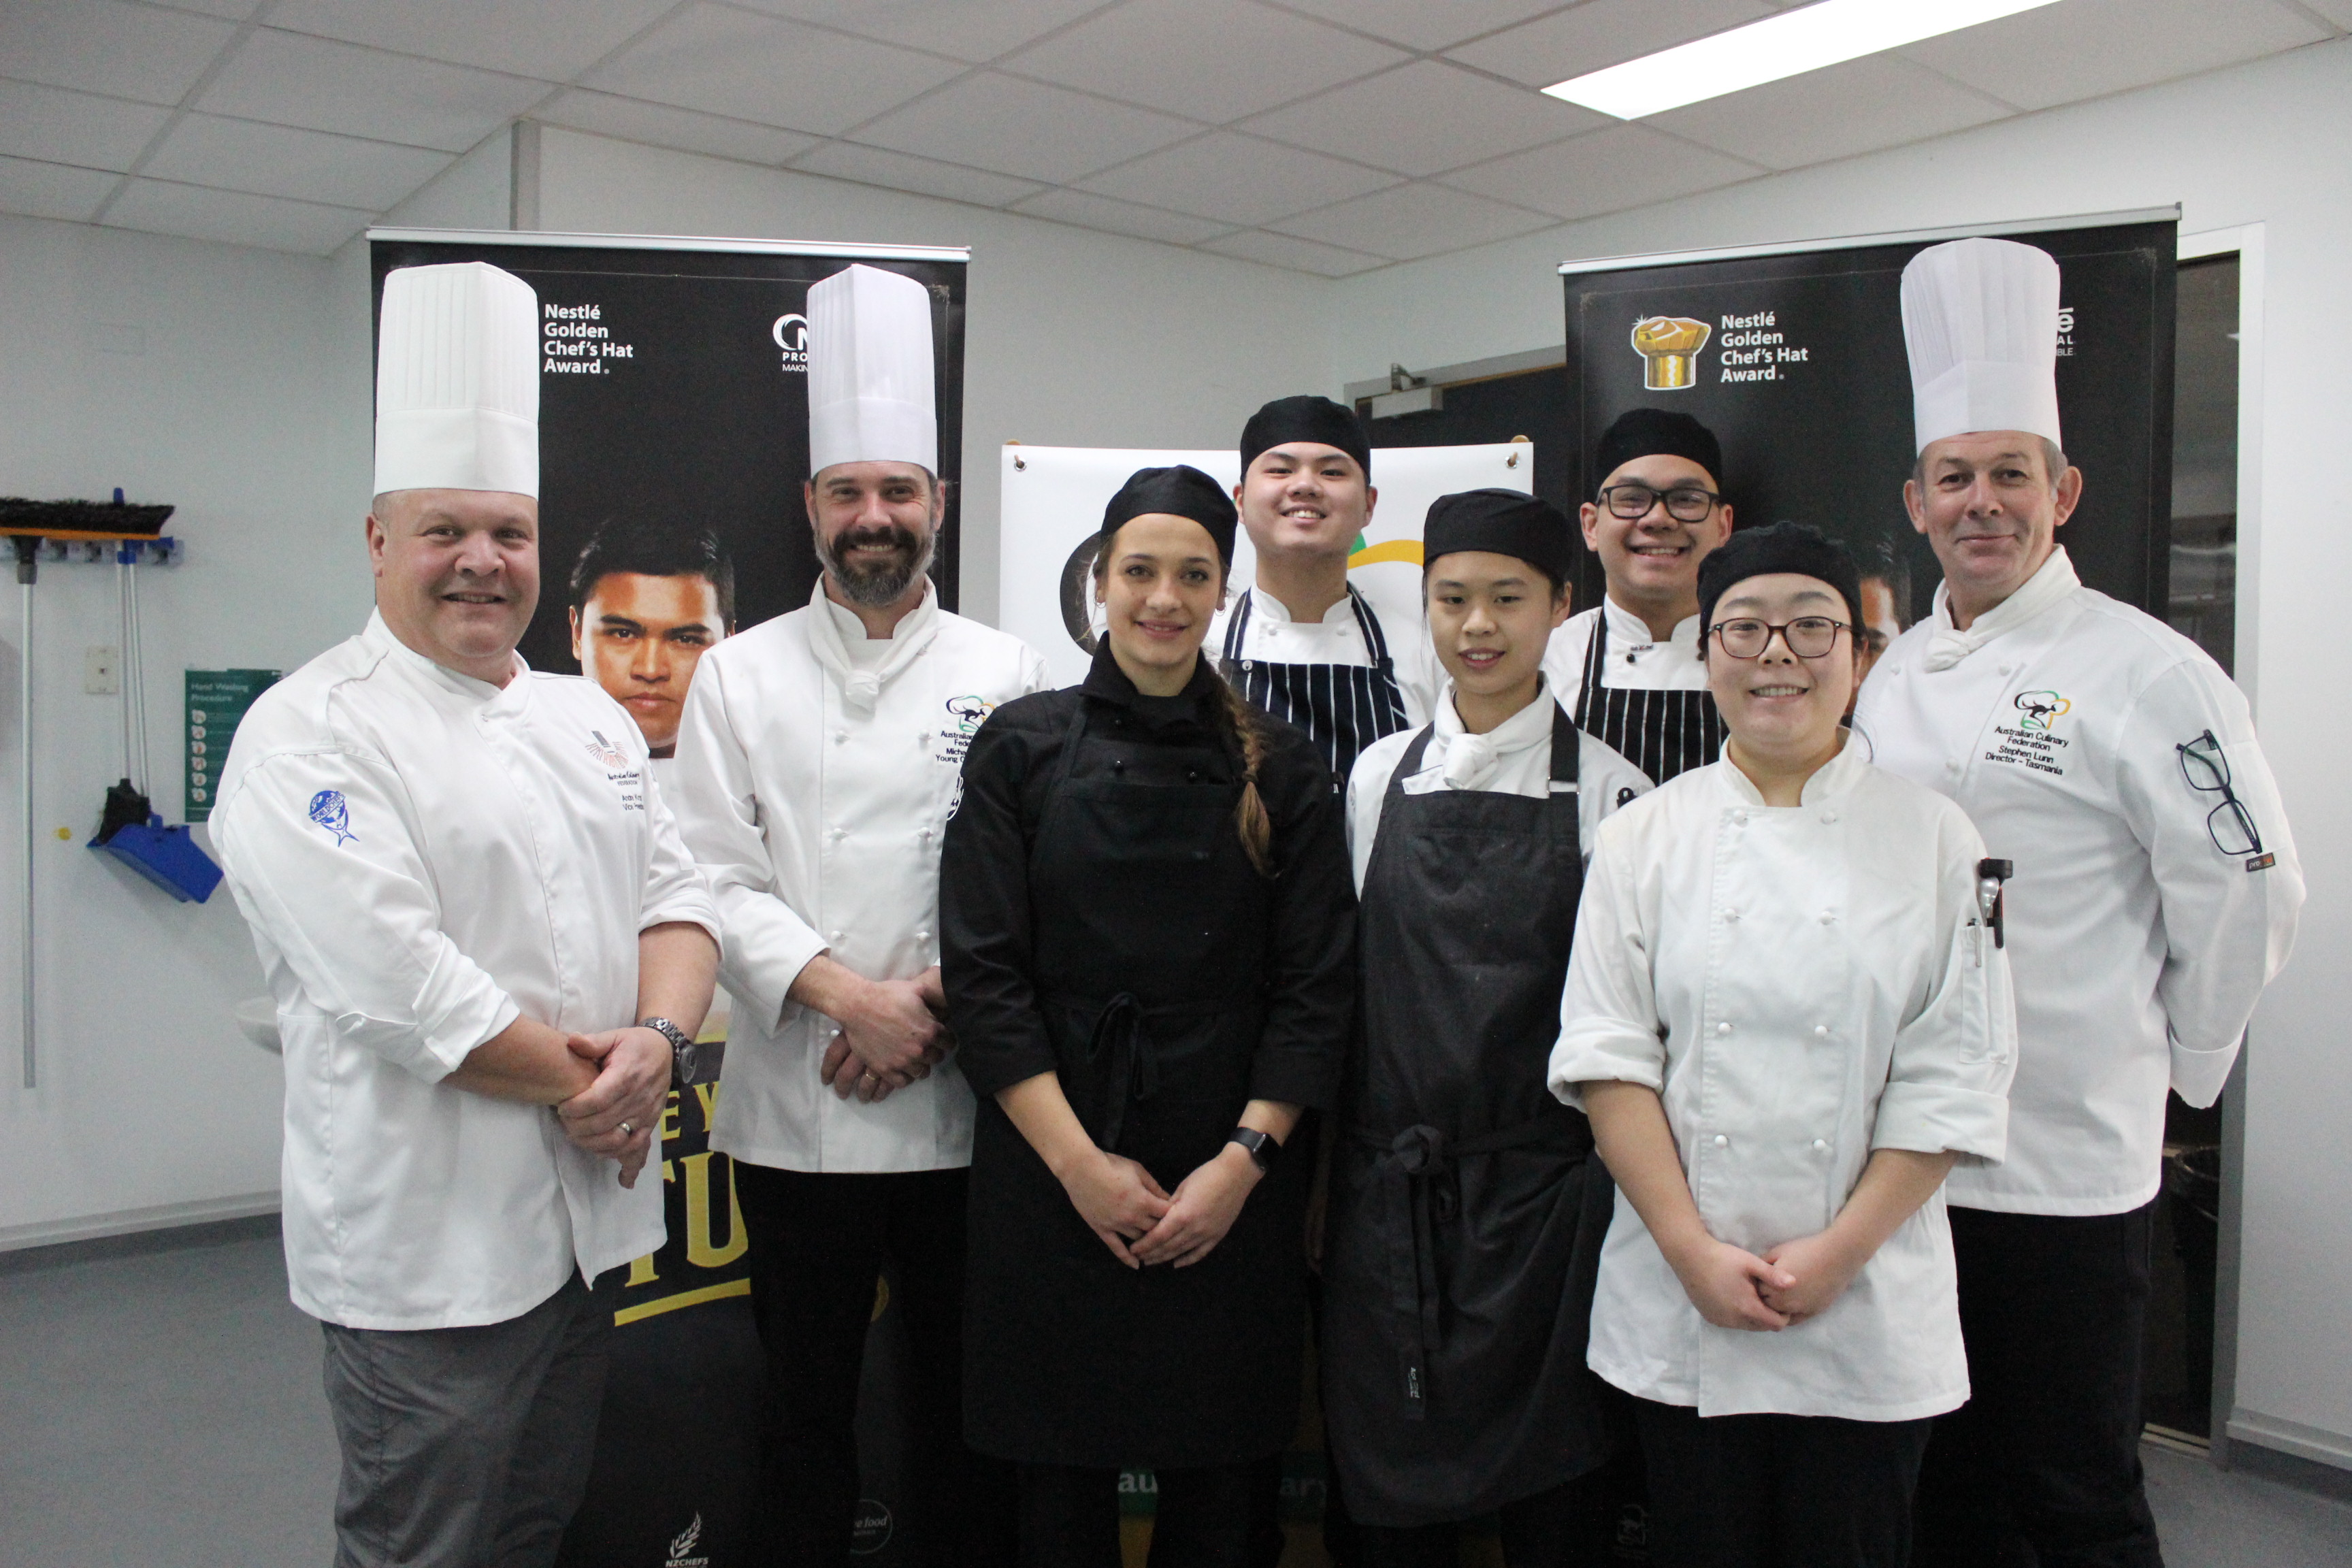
x: 791, y: 333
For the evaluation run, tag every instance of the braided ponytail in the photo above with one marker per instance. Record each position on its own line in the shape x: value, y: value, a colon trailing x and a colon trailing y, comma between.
x: 1245, y: 736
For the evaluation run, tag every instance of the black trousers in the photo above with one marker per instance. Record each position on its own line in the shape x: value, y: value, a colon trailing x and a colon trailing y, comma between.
x: 1778, y: 1491
x: 2047, y: 1452
x: 1069, y: 1517
x: 1558, y: 1528
x: 818, y: 1244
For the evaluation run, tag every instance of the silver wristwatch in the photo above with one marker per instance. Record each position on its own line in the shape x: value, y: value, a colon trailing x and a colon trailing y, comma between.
x: 681, y: 1049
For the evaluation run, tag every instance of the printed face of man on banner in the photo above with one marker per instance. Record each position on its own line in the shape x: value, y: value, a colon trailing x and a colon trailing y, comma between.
x: 647, y: 600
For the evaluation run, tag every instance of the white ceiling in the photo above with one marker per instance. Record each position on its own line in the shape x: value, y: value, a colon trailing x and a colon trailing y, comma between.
x: 1330, y: 136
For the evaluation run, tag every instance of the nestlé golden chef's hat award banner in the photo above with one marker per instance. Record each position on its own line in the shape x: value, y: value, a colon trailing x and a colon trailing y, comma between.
x: 1793, y: 356
x: 674, y: 407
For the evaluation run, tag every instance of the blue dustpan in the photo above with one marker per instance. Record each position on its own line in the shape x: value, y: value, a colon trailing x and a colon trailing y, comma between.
x: 167, y: 857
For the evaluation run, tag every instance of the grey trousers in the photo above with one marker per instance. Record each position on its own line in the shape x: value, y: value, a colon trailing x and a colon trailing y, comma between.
x: 466, y: 1447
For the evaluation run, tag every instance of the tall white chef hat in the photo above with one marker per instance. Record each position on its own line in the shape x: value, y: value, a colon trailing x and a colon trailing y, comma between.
x: 1980, y: 319
x: 457, y: 380
x: 869, y: 370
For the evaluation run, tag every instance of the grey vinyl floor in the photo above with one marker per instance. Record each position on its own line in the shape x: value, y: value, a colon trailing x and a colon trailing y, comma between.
x: 161, y: 1409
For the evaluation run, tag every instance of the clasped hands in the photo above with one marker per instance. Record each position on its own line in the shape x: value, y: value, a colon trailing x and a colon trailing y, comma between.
x: 615, y: 1116
x: 892, y: 1034
x: 1141, y: 1222
x: 1734, y: 1288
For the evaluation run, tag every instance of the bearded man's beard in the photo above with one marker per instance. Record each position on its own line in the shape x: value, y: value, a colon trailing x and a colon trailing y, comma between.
x: 882, y: 582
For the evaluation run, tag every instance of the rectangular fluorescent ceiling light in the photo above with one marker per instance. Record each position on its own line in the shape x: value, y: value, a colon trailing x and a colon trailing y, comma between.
x: 1789, y: 43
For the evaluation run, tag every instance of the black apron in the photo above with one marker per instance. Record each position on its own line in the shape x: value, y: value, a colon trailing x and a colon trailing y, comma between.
x: 1343, y: 708
x: 1661, y: 732
x: 1463, y: 1238
x: 1154, y: 1013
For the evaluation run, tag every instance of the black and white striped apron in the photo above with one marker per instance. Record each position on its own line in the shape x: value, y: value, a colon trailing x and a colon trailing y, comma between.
x: 1661, y: 732
x: 1343, y: 708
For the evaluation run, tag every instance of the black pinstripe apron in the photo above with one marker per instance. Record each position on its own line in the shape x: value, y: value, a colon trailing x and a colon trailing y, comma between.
x: 1661, y: 732
x: 1343, y: 708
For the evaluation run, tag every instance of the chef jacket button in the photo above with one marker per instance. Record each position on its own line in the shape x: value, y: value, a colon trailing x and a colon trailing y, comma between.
x: 1721, y: 1141
x: 1829, y: 917
x: 1953, y: 767
x: 1822, y: 1031
x: 832, y: 936
x: 1731, y: 914
x: 1724, y: 1028
x: 1828, y: 817
x: 922, y: 936
x: 839, y: 736
x: 1821, y: 1145
x: 1740, y: 817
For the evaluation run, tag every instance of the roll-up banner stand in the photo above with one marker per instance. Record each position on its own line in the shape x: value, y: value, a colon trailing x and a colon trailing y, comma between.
x: 1053, y: 505
x: 673, y: 391
x: 1793, y: 354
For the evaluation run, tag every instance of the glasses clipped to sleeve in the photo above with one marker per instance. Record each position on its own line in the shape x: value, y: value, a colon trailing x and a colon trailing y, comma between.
x: 2229, y: 824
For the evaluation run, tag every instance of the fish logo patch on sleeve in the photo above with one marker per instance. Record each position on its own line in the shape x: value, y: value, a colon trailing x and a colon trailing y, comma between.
x: 328, y: 810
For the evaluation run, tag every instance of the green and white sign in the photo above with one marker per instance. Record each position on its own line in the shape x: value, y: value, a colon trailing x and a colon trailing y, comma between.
x: 217, y: 700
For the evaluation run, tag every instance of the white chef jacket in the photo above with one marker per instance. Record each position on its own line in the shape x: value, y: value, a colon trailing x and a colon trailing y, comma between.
x: 715, y: 1020
x: 2139, y: 948
x: 1802, y: 985
x: 1637, y: 661
x: 819, y: 822
x: 1272, y: 637
x: 424, y: 858
x: 1521, y: 765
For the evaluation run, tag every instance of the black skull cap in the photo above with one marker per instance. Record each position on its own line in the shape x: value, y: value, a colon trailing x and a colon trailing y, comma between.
x: 1505, y: 522
x: 1307, y: 418
x: 1783, y: 547
x: 1181, y: 490
x: 1645, y: 432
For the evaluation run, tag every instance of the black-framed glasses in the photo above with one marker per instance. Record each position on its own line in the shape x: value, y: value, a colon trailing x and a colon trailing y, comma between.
x: 1808, y: 637
x: 2229, y: 824
x: 1684, y: 504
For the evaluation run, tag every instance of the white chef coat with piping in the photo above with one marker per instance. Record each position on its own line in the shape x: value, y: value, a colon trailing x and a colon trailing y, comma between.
x: 819, y: 821
x: 423, y: 857
x: 1272, y: 637
x: 1521, y: 765
x: 1637, y: 661
x: 1802, y: 985
x: 2140, y: 947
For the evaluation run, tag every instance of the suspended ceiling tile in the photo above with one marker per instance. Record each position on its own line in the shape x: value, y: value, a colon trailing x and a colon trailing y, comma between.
x: 59, y: 127
x: 1238, y: 179
x: 1299, y: 254
x: 660, y: 125
x: 282, y: 161
x: 1413, y: 221
x: 1603, y: 33
x: 320, y: 85
x: 2336, y: 11
x: 1023, y: 128
x: 2059, y: 54
x: 99, y: 46
x: 1427, y: 117
x: 1420, y: 25
x: 1880, y: 101
x: 52, y: 190
x: 1210, y: 59
x: 552, y: 39
x: 1119, y: 217
x: 762, y: 69
x: 923, y: 176
x: 230, y: 10
x: 974, y: 30
x: 1602, y: 172
x: 270, y: 223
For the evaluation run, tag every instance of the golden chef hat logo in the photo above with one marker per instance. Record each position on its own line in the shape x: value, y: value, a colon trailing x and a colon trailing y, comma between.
x: 1669, y: 347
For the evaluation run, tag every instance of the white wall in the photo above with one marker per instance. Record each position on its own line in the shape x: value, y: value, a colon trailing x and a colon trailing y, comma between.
x: 1076, y: 339
x: 2267, y: 143
x: 199, y: 374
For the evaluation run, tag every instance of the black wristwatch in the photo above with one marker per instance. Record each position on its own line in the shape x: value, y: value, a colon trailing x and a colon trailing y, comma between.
x: 681, y: 1049
x: 1263, y: 1148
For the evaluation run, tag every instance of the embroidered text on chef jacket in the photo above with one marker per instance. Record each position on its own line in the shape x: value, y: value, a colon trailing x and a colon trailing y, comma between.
x: 814, y: 783
x: 1802, y: 985
x: 423, y: 857
x: 2140, y: 944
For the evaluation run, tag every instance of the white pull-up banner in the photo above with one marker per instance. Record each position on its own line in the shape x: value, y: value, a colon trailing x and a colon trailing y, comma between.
x: 1053, y: 505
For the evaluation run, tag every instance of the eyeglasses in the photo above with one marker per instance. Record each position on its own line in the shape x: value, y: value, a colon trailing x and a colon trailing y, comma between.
x: 1808, y: 637
x: 2229, y: 825
x: 1684, y: 504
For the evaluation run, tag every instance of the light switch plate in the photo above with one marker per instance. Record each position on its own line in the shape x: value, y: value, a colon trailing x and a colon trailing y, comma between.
x: 101, y: 671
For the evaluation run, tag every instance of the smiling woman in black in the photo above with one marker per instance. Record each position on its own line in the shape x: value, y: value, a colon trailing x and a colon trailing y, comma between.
x: 1147, y: 941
